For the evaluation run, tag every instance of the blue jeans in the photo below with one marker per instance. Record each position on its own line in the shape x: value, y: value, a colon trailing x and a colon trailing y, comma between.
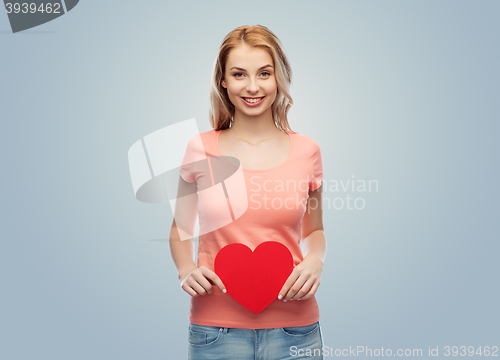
x: 288, y: 343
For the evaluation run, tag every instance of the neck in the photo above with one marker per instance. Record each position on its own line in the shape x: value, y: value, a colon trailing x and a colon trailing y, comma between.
x: 253, y: 127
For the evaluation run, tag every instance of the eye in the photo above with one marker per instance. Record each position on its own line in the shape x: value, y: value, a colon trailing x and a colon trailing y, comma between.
x: 266, y: 73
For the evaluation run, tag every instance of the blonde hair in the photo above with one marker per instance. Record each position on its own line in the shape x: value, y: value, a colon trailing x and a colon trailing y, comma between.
x: 221, y: 113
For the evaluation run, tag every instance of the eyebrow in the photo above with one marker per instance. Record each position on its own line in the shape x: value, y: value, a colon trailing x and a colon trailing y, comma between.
x: 263, y: 67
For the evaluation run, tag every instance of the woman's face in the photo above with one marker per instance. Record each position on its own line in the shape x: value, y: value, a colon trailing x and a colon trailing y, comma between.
x: 250, y: 74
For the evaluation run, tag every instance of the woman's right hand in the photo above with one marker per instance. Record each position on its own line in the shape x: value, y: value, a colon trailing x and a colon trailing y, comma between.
x: 199, y: 282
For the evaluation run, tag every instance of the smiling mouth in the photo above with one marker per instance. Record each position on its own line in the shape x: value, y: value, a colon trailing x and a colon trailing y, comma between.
x: 253, y: 100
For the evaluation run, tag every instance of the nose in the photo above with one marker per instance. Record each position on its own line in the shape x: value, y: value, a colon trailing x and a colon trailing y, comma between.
x: 252, y: 86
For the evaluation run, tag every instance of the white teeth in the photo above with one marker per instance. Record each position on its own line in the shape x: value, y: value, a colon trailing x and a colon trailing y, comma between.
x: 253, y: 100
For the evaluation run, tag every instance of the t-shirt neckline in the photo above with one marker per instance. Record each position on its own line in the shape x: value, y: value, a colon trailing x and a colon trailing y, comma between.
x: 218, y: 132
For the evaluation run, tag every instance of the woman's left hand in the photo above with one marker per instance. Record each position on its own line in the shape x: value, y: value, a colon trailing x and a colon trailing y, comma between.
x: 303, y: 281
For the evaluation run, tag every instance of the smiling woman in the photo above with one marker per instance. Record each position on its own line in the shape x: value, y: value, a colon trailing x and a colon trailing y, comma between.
x: 250, y: 86
x: 250, y: 54
x: 249, y: 104
x: 249, y: 100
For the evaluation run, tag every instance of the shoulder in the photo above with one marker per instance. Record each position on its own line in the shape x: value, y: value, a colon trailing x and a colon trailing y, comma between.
x: 203, y: 142
x: 209, y: 133
x: 205, y: 135
x: 305, y: 141
x: 204, y: 138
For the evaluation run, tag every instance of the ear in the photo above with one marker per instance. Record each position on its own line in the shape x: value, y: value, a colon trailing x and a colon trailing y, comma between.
x: 223, y: 83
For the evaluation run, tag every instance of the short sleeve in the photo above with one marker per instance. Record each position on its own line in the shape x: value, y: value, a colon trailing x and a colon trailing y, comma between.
x: 317, y: 168
x: 191, y: 155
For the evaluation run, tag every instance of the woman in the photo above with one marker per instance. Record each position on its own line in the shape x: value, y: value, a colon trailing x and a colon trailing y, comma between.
x: 249, y: 103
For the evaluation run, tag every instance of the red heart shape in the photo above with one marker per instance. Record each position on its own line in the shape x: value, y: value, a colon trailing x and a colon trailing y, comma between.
x: 254, y: 279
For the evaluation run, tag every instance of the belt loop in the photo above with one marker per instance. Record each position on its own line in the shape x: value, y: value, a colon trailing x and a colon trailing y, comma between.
x: 224, y: 329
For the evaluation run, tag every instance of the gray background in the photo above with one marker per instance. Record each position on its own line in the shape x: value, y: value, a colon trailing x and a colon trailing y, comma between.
x: 397, y: 91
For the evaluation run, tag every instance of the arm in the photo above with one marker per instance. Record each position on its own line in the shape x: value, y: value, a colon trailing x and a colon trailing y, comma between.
x: 195, y: 281
x: 182, y: 252
x: 305, y: 277
x: 313, y: 234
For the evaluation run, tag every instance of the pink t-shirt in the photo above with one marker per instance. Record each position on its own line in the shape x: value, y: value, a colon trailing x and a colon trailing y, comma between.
x: 276, y: 205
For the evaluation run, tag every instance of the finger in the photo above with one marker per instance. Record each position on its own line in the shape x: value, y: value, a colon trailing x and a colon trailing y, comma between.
x: 202, y: 280
x: 311, y: 292
x: 288, y: 283
x: 215, y: 278
x: 304, y: 289
x: 189, y: 290
x: 185, y: 286
x: 295, y: 287
x: 196, y: 286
